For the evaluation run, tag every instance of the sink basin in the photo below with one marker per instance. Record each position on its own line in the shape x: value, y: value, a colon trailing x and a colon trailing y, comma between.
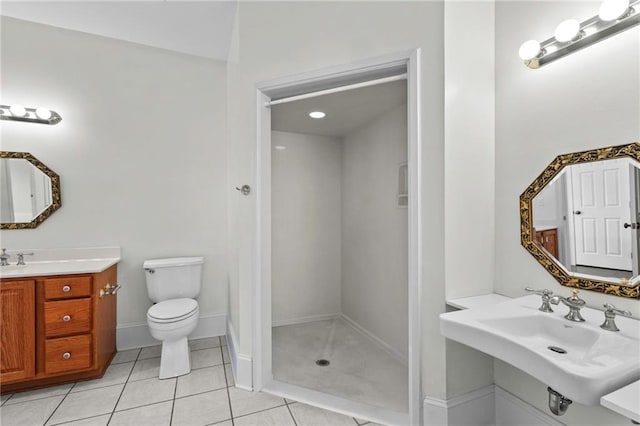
x: 579, y: 360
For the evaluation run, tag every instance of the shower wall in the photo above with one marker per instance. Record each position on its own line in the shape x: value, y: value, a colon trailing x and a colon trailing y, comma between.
x: 374, y: 229
x: 305, y: 226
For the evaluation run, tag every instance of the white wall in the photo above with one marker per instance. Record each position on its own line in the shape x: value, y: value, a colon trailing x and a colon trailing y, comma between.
x: 140, y: 152
x: 277, y: 39
x: 306, y: 181
x: 469, y: 175
x: 586, y: 100
x: 374, y: 229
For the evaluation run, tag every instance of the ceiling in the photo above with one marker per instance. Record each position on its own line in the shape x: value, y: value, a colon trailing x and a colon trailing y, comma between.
x: 201, y: 28
x: 345, y: 111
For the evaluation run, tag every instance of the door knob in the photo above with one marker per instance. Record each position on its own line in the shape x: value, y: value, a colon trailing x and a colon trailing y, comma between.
x: 577, y: 212
x: 244, y: 189
x: 634, y: 225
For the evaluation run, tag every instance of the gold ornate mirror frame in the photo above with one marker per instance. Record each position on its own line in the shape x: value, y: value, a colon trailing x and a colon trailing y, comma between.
x: 55, y: 191
x: 526, y: 219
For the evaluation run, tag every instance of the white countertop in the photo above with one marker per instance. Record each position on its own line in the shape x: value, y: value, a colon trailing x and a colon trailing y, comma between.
x: 477, y: 301
x: 624, y: 401
x: 61, y: 262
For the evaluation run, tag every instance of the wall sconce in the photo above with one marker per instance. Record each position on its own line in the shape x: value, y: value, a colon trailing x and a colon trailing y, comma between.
x: 570, y: 36
x: 31, y: 115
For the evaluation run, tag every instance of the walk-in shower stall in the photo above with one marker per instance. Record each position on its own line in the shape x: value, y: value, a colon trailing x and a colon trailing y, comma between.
x: 337, y: 247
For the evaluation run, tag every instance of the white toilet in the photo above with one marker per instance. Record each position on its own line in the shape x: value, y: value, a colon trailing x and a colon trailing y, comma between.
x: 173, y: 284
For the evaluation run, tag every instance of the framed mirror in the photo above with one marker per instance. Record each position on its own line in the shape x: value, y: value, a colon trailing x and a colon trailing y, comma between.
x: 580, y: 219
x: 30, y: 191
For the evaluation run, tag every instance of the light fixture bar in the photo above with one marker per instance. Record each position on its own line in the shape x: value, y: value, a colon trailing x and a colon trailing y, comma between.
x: 591, y: 31
x: 29, y: 115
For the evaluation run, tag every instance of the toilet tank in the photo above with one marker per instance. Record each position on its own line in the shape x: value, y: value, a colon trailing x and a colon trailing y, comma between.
x: 173, y: 278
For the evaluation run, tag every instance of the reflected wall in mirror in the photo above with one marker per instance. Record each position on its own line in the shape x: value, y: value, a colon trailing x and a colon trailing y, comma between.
x: 29, y: 191
x: 580, y: 219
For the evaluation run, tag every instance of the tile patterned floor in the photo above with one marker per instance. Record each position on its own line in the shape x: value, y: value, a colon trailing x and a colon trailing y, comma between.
x: 130, y: 394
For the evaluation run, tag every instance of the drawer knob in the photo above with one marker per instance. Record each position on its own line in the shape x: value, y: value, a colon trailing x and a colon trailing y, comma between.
x: 66, y: 318
x: 66, y: 289
x: 66, y: 355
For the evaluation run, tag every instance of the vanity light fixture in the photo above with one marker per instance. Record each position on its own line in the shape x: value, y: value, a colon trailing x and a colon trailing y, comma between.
x: 614, y: 16
x: 17, y: 112
x: 317, y: 114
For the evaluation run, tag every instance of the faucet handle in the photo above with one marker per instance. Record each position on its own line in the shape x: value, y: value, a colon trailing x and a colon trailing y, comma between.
x: 21, y: 257
x: 611, y: 308
x: 543, y: 292
x: 4, y: 257
x: 546, y: 296
x: 610, y: 316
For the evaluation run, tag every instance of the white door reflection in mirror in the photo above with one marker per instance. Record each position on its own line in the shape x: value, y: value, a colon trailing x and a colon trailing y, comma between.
x: 587, y: 218
x: 26, y: 190
x: 601, y: 206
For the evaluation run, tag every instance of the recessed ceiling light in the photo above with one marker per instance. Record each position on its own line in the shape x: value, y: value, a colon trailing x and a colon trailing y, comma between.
x: 317, y: 114
x: 280, y: 147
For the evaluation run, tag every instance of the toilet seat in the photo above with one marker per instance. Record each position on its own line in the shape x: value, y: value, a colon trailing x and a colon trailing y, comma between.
x: 172, y: 310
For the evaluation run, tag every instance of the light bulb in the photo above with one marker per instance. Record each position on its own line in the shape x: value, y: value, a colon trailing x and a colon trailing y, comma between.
x: 567, y: 30
x: 611, y: 10
x: 18, y: 110
x: 529, y: 50
x: 317, y: 114
x: 43, y: 113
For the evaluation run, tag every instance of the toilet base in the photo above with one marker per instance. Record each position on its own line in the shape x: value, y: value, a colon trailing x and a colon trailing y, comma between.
x: 176, y: 358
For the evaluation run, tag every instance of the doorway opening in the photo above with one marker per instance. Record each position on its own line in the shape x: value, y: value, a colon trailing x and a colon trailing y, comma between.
x: 337, y: 294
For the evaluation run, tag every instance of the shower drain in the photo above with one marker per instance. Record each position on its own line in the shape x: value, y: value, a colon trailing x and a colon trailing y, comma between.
x: 322, y: 362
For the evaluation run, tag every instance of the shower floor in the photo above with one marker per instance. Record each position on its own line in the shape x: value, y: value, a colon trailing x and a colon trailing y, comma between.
x: 359, y: 369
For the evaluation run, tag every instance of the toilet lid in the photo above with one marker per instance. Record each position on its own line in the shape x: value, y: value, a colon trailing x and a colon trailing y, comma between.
x: 172, y: 310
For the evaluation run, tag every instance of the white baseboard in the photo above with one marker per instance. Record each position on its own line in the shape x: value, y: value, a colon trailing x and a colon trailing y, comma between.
x: 241, y: 364
x: 379, y: 342
x: 490, y: 405
x: 512, y: 411
x: 137, y: 335
x: 475, y: 408
x: 302, y: 320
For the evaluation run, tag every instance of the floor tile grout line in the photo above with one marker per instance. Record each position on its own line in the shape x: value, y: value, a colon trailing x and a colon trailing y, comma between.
x: 77, y: 420
x: 291, y: 413
x: 200, y: 393
x: 103, y: 385
x: 59, y: 404
x: 224, y: 370
x: 193, y: 369
x: 124, y: 387
x: 35, y: 399
x: 173, y: 402
x: 190, y: 349
x: 260, y: 411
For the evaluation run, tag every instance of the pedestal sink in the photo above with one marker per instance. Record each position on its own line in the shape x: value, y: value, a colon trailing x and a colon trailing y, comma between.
x: 579, y: 360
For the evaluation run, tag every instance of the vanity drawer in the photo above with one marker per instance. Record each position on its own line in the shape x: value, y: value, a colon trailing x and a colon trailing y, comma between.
x: 66, y: 288
x: 67, y: 317
x: 67, y: 354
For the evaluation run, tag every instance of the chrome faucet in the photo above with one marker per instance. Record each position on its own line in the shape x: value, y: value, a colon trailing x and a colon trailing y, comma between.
x: 574, y: 303
x: 609, y: 323
x: 546, y: 297
x: 21, y: 257
x: 4, y: 258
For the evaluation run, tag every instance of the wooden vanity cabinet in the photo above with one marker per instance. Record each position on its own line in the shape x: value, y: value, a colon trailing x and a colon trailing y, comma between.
x: 17, y: 307
x: 56, y: 329
x: 549, y: 240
